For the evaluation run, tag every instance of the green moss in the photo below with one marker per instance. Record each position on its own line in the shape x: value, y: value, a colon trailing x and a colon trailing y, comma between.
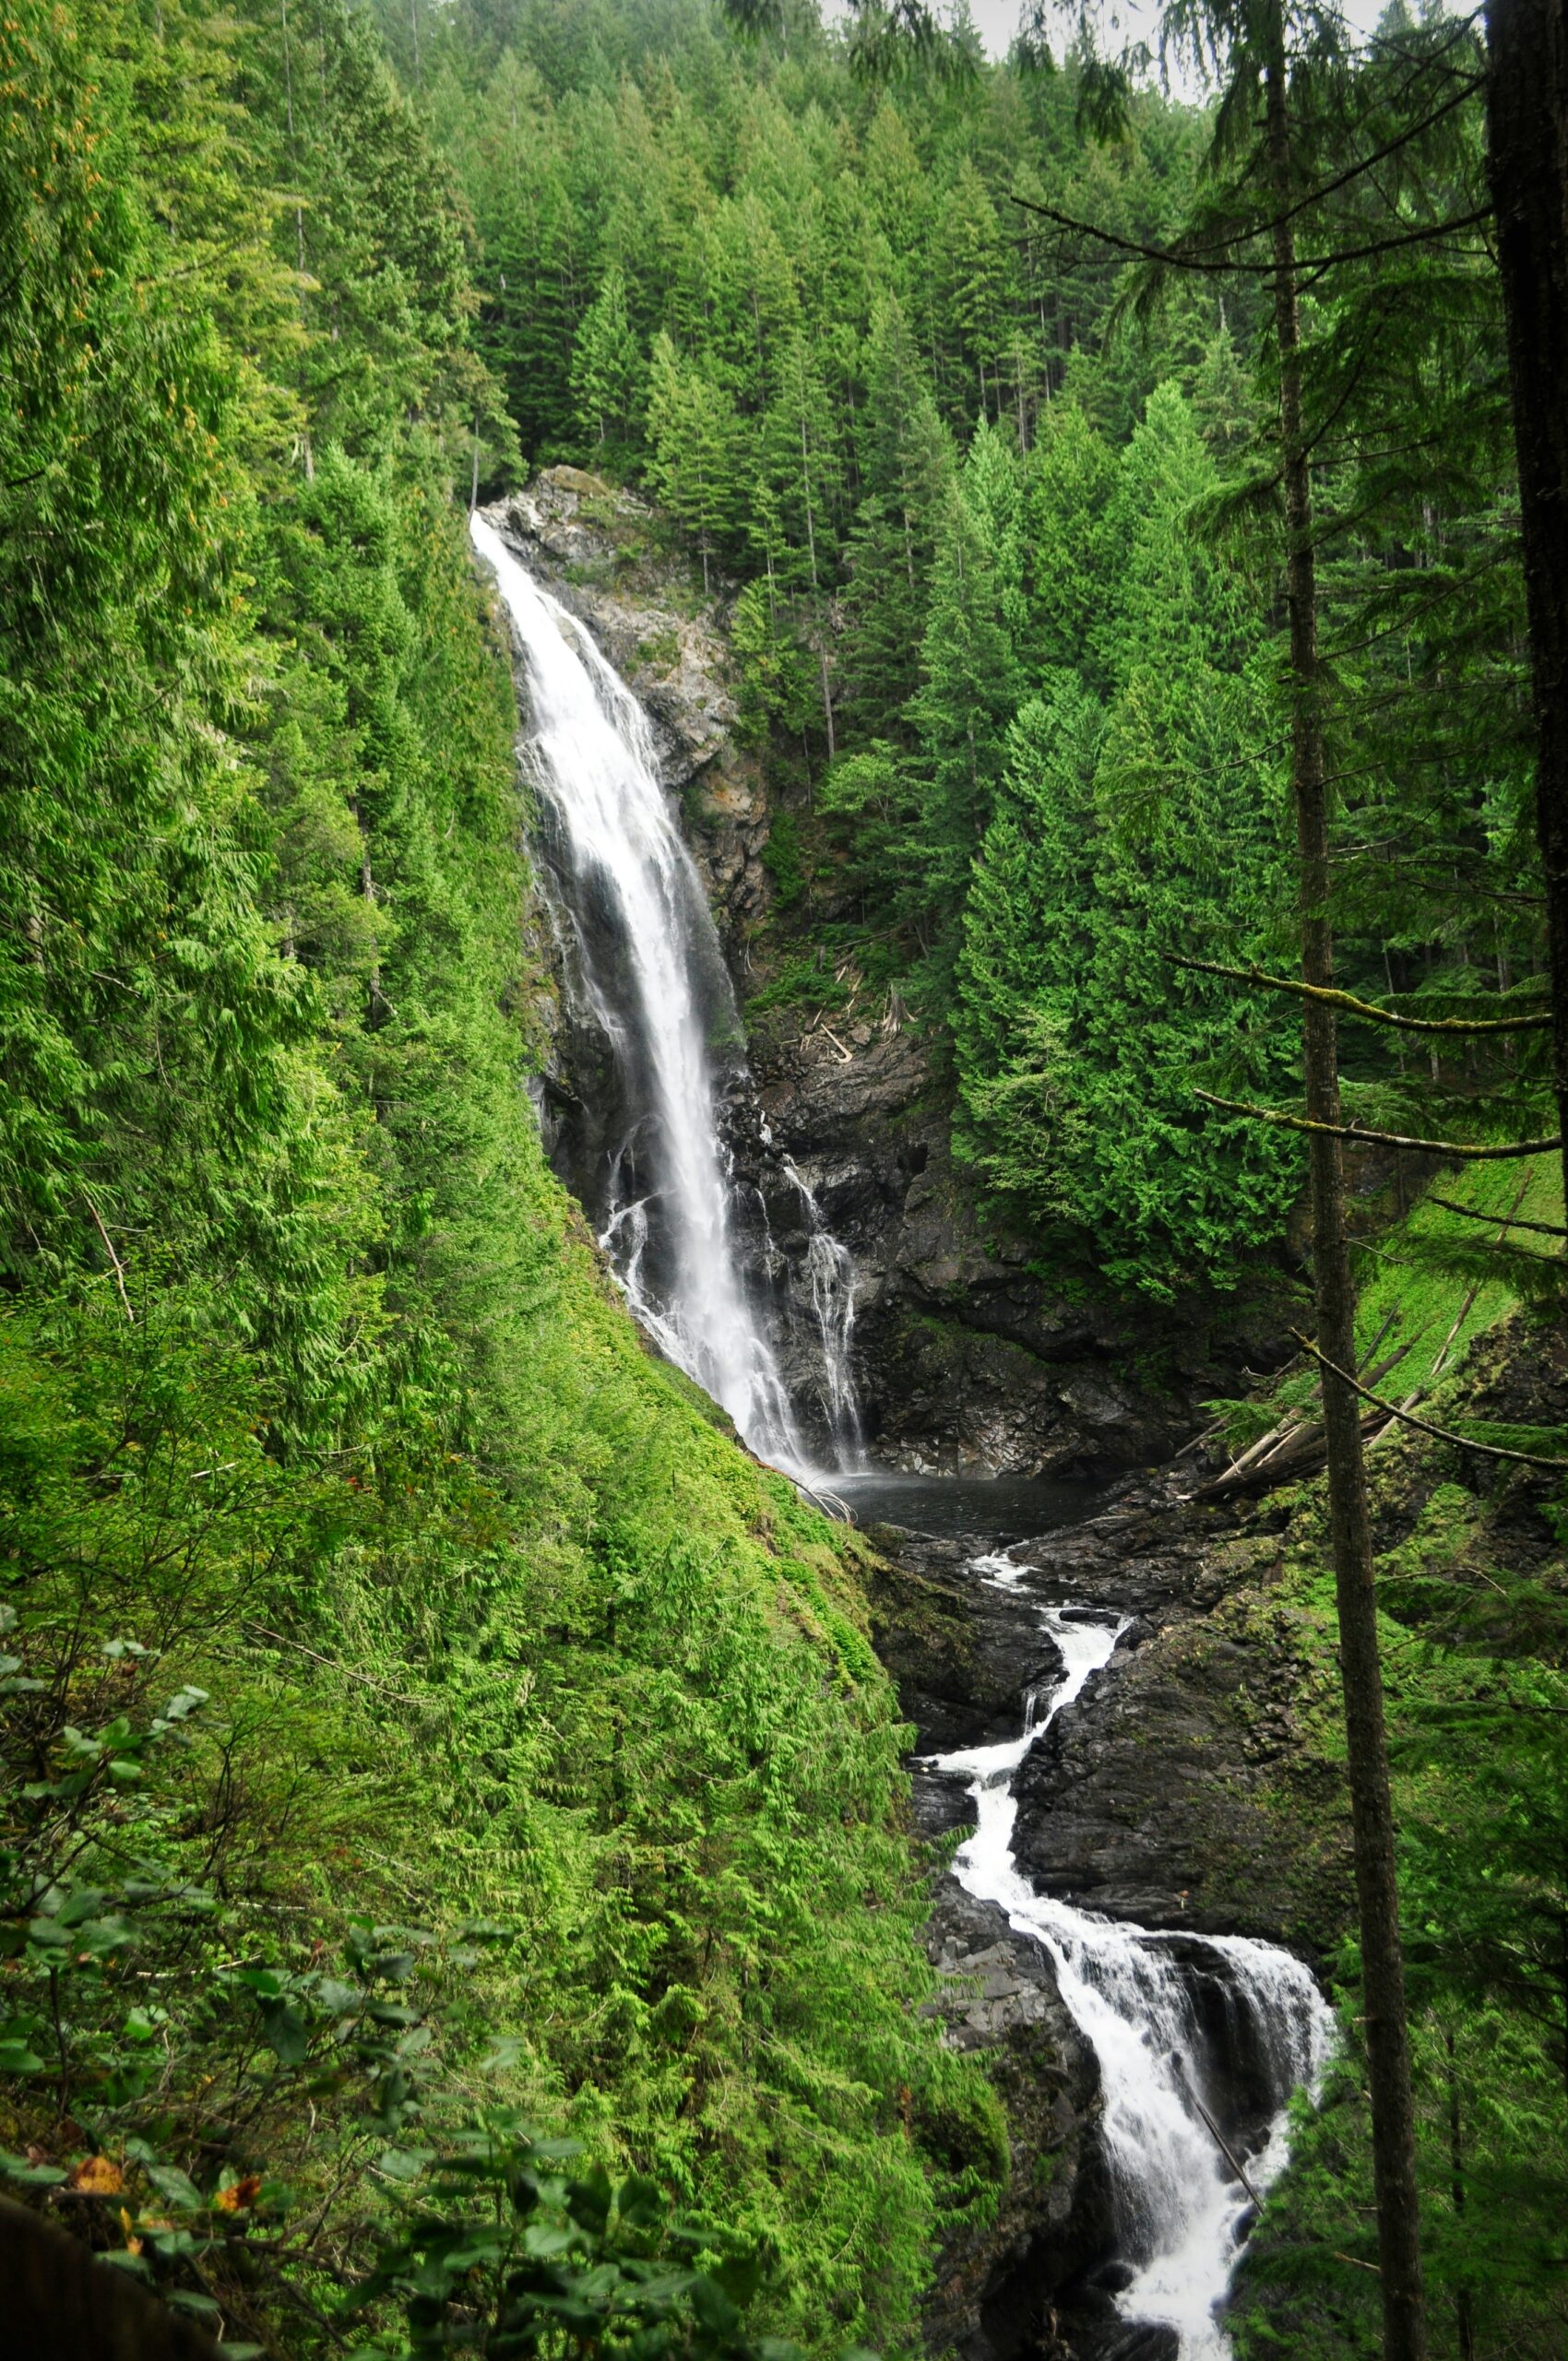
x: 658, y: 653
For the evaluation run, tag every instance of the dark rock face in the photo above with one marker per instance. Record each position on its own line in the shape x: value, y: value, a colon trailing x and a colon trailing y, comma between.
x: 962, y: 1656
x: 992, y: 2289
x: 1156, y: 1799
x: 967, y: 1360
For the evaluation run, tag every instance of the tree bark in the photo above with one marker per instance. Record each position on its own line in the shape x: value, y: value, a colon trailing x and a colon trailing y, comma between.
x: 1527, y: 109
x: 1371, y: 1813
x: 1464, y: 2320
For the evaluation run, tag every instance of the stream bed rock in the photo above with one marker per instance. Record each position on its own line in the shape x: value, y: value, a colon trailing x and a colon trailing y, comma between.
x: 1147, y: 1778
x: 993, y: 2291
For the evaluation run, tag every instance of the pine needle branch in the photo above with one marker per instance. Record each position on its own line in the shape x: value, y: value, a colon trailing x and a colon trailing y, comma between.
x: 1473, y: 1153
x: 1355, y: 1008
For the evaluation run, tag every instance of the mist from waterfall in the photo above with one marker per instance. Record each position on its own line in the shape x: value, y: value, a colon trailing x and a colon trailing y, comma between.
x: 648, y: 960
x: 1181, y: 2206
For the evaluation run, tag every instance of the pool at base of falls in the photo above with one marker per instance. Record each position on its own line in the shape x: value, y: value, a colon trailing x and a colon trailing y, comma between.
x: 993, y: 1509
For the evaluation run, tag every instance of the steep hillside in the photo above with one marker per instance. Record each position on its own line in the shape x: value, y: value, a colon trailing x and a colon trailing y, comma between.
x: 414, y: 1700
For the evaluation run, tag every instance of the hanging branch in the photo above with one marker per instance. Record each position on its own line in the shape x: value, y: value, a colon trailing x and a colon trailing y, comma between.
x: 1409, y: 1418
x: 1509, y: 1221
x: 1355, y: 1008
x: 1170, y: 259
x: 109, y: 1249
x: 1465, y: 1309
x: 1381, y: 1139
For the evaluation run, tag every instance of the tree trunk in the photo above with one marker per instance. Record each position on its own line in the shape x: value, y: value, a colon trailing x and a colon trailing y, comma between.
x: 1372, y: 1814
x: 1463, y: 2310
x: 817, y: 596
x: 1526, y: 112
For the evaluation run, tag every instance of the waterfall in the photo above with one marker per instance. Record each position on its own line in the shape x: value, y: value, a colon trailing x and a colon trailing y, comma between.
x: 1181, y: 2212
x: 648, y: 964
x: 830, y: 1271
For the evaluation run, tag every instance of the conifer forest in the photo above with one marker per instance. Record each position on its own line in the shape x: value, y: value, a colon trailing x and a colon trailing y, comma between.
x: 783, y: 1095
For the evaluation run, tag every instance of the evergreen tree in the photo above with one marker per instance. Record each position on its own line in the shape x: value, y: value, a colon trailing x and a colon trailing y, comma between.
x: 1123, y: 834
x: 906, y: 463
x: 535, y: 283
x: 1072, y: 548
x: 969, y: 690
x: 1027, y: 966
x: 971, y: 274
x: 607, y: 373
x: 694, y: 462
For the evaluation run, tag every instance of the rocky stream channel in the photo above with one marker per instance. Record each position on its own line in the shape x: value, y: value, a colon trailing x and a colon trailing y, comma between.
x: 1115, y: 1927
x: 1109, y: 1933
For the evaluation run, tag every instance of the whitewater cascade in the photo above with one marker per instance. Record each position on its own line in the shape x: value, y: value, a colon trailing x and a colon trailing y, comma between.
x: 1182, y: 2212
x: 646, y: 958
x: 831, y: 1271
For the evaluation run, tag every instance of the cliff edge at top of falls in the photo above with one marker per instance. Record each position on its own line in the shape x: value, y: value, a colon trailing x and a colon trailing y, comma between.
x: 965, y: 1358
x: 609, y: 559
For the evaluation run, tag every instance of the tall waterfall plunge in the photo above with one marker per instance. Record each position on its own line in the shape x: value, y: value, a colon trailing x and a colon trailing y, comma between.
x: 644, y: 957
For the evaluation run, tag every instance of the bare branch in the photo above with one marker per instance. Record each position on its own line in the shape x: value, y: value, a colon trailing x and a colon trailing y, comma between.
x: 109, y: 1249
x: 1409, y: 1418
x: 1509, y: 1221
x: 280, y: 1640
x: 1314, y: 266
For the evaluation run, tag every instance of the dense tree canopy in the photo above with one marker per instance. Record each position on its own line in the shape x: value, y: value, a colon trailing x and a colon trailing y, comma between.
x: 360, y: 1567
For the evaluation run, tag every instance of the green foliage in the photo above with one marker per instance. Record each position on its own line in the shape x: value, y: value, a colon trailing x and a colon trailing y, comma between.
x: 1124, y: 830
x: 126, y: 883
x: 1471, y: 1581
x: 607, y: 373
x: 668, y: 1764
x: 782, y: 858
x: 523, y: 2258
x: 361, y: 1567
x: 695, y: 438
x: 777, y: 694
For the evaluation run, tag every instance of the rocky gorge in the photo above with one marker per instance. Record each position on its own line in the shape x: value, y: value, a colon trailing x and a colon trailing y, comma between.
x: 1194, y: 1789
x: 967, y: 1356
x: 1196, y: 1786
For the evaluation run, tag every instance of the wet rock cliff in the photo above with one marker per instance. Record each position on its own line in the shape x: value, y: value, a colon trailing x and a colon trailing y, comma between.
x: 966, y: 1355
x: 970, y: 1358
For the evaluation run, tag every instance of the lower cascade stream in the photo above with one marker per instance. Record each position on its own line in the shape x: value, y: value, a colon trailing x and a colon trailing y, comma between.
x: 1182, y: 2196
x: 644, y: 959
